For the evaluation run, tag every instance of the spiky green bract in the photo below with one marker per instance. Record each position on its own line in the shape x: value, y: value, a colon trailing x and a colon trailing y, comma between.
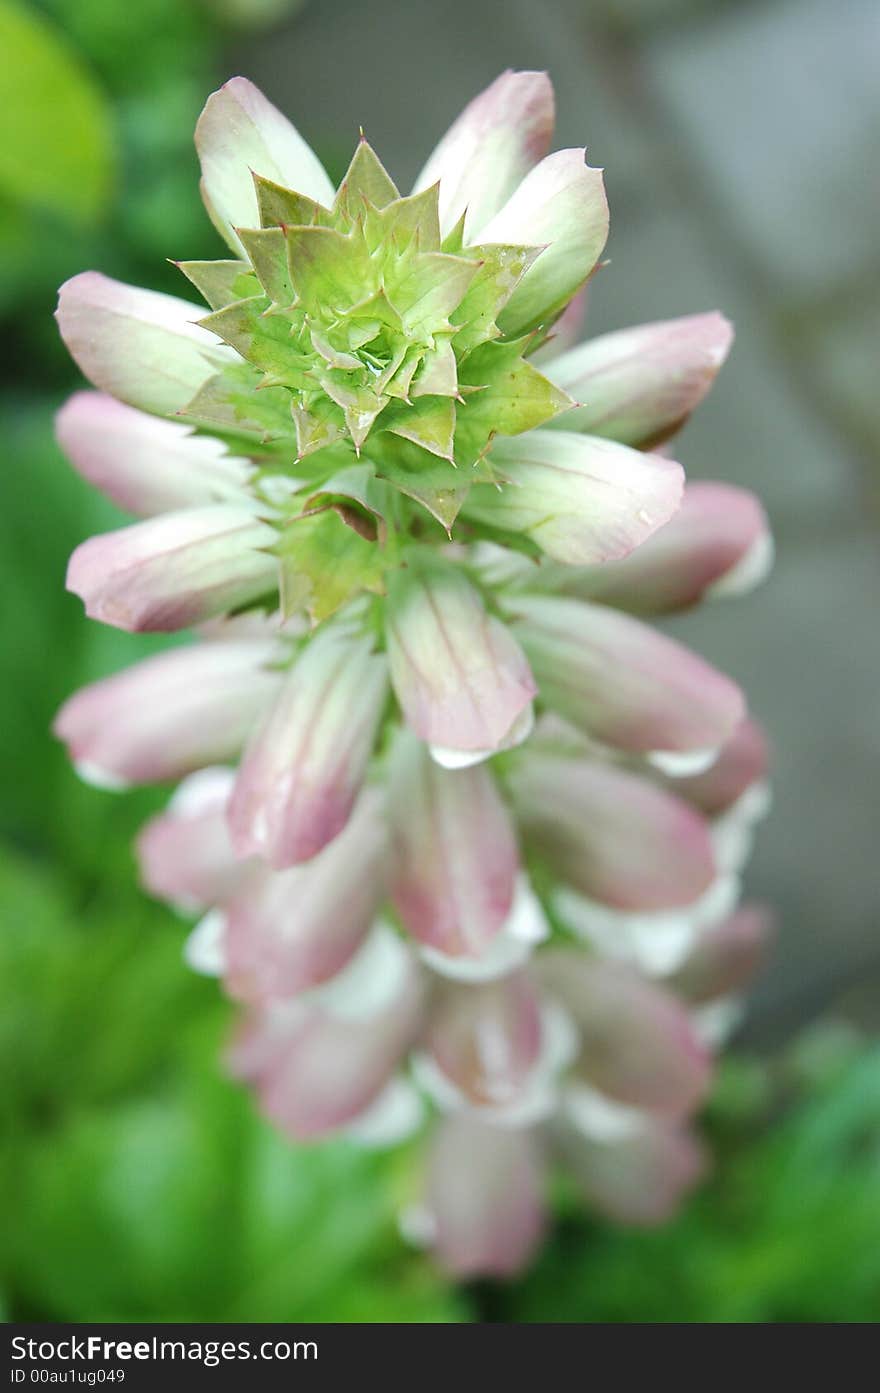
x: 363, y: 338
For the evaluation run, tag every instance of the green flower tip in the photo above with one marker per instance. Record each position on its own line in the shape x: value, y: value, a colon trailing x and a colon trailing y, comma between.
x: 368, y: 360
x: 363, y: 324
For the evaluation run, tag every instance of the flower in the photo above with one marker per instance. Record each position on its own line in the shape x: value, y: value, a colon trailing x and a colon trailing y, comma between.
x: 463, y: 829
x: 592, y: 1051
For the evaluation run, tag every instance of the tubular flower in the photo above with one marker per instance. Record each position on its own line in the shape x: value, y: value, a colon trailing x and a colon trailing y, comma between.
x: 463, y: 830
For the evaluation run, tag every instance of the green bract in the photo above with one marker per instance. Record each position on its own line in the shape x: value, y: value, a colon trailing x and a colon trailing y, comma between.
x: 367, y: 372
x: 369, y: 341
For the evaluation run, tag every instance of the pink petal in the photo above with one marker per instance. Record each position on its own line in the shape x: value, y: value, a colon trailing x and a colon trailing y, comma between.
x: 726, y: 957
x: 170, y: 714
x: 639, y: 1179
x: 610, y: 834
x: 484, y: 1193
x: 715, y: 529
x: 582, y: 500
x: 742, y: 763
x: 524, y: 928
x: 460, y: 677
x: 640, y: 385
x: 240, y: 134
x: 621, y: 682
x: 313, y: 1071
x: 492, y: 145
x: 303, y: 769
x: 138, y: 345
x: 560, y: 206
x: 486, y: 1037
x: 638, y: 1045
x: 454, y: 854
x: 185, y: 855
x: 297, y: 928
x: 145, y: 465
x: 175, y: 570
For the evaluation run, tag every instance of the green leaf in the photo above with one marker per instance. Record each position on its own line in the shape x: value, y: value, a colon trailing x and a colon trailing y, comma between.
x: 138, y: 1182
x: 334, y: 356
x: 365, y: 181
x: 425, y: 289
x: 513, y: 397
x: 438, y: 373
x: 408, y: 222
x: 500, y: 271
x: 328, y: 268
x: 318, y: 425
x: 267, y: 252
x: 264, y: 340
x: 56, y: 140
x: 358, y: 485
x: 183, y: 1206
x: 429, y: 422
x: 220, y: 283
x: 230, y: 405
x: 437, y: 485
x: 368, y: 315
x: 281, y: 207
x: 325, y: 562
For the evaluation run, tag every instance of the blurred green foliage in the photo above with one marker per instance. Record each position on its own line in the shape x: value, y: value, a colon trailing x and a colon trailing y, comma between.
x: 46, y: 89
x: 136, y: 1181
x: 787, y: 1230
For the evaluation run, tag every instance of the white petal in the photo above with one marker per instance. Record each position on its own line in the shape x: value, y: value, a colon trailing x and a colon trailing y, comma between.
x: 559, y: 1046
x: 525, y: 926
x: 239, y: 134
x: 748, y: 573
x: 139, y: 345
x: 96, y: 777
x: 598, y: 1117
x: 495, y: 141
x: 681, y: 764
x: 463, y: 759
x: 657, y: 943
x: 393, y: 1117
x: 203, y: 950
x: 716, y: 1022
x: 202, y: 791
x: 370, y: 982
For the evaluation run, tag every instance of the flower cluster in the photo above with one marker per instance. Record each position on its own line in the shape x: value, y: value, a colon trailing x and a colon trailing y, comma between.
x: 478, y: 859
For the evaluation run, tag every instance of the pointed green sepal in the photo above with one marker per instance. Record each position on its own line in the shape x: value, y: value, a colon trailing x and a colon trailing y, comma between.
x: 411, y: 223
x: 355, y: 488
x: 324, y: 562
x: 366, y: 181
x: 318, y: 425
x: 220, y: 282
x: 263, y: 340
x: 231, y: 404
x: 434, y: 483
x: 281, y: 207
x: 429, y: 423
x: 454, y: 239
x: 515, y: 397
x: 438, y: 373
x: 330, y: 270
x: 500, y: 272
x: 267, y: 251
x: 425, y: 289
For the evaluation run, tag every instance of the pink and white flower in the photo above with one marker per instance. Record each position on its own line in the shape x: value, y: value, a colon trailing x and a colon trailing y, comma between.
x: 464, y: 831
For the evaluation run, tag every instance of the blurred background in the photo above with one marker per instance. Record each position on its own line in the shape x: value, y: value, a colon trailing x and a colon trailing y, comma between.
x: 740, y: 142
